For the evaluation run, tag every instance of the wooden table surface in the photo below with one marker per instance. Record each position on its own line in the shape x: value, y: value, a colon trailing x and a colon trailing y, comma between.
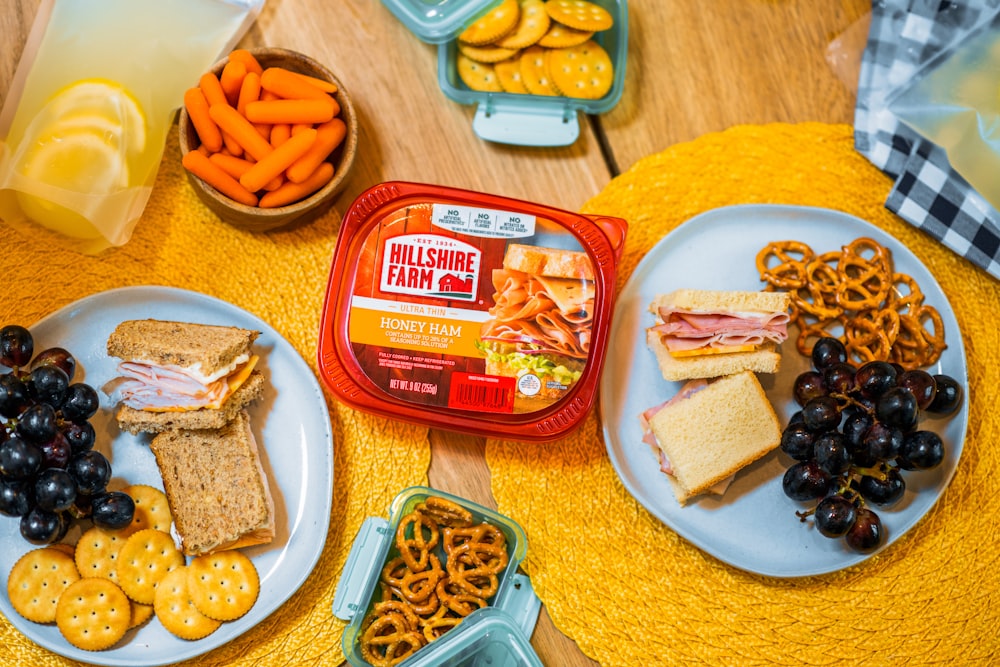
x: 693, y: 67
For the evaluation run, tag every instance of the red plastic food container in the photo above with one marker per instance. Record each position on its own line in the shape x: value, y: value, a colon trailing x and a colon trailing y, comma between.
x: 469, y: 312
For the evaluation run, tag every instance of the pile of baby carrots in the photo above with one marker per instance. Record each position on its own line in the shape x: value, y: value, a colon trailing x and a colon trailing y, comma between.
x: 265, y: 133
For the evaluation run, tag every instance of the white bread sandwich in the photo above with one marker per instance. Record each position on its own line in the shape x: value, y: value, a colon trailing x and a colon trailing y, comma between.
x: 216, y: 487
x: 710, y: 431
x: 542, y: 318
x: 181, y: 375
x: 709, y: 333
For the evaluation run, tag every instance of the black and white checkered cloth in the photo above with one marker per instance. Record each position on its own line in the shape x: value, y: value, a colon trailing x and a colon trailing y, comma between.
x: 927, y: 193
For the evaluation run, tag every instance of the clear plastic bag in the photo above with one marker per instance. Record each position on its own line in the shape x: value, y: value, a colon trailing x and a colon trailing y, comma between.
x: 954, y: 102
x: 85, y: 122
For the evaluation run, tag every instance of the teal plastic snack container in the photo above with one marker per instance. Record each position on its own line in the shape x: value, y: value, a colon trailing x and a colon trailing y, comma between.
x: 513, y: 118
x: 496, y: 635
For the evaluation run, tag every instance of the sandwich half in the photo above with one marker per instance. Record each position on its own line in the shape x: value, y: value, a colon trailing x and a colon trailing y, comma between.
x: 181, y: 375
x: 708, y: 333
x: 710, y: 431
x: 541, y: 320
x: 216, y: 487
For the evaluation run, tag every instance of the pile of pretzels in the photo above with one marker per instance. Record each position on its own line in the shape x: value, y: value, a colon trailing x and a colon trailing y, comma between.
x: 855, y: 295
x: 421, y: 600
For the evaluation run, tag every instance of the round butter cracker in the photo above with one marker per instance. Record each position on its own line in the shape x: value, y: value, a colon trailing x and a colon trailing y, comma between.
x: 145, y: 558
x: 478, y: 76
x: 173, y: 607
x: 485, y: 54
x: 37, y: 580
x: 534, y: 72
x: 93, y: 614
x: 583, y: 71
x: 223, y: 585
x: 97, y: 552
x: 509, y: 74
x: 493, y: 25
x: 560, y: 36
x: 580, y: 14
x: 532, y: 24
x: 151, y: 508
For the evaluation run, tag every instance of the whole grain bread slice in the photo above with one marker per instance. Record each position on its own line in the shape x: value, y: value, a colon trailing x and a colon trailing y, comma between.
x: 147, y: 421
x: 216, y: 487
x: 180, y: 343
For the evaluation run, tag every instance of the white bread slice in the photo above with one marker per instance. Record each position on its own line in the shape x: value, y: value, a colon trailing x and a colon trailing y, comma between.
x: 734, y: 301
x: 716, y: 432
x: 553, y: 262
x: 216, y: 487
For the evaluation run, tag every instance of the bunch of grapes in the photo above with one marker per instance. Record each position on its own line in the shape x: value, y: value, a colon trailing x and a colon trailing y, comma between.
x: 50, y: 474
x: 856, y: 432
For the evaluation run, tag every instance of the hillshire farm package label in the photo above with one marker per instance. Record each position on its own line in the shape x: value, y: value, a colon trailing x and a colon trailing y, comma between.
x: 456, y: 305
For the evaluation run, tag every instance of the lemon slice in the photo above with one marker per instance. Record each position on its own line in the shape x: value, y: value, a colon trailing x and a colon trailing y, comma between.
x: 99, y: 98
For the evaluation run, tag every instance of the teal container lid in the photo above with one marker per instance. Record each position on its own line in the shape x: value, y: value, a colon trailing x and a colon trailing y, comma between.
x: 437, y: 21
x: 495, y: 635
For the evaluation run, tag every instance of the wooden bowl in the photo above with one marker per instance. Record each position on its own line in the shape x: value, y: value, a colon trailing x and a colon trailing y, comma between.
x: 258, y: 219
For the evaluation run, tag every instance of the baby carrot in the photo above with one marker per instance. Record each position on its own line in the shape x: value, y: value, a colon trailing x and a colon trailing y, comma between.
x: 292, y: 111
x: 229, y: 120
x: 277, y: 161
x: 202, y: 167
x: 292, y: 192
x: 197, y: 108
x: 232, y: 165
x: 231, y: 80
x: 248, y: 60
x: 249, y: 91
x: 325, y: 86
x: 209, y: 84
x: 231, y: 145
x: 328, y: 137
x: 284, y: 83
x: 280, y: 132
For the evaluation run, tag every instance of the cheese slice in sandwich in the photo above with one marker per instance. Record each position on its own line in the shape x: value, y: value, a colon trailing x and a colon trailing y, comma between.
x: 182, y: 375
x: 712, y: 432
x: 710, y: 333
x: 216, y: 487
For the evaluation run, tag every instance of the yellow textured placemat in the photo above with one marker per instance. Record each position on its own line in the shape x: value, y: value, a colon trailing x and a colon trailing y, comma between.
x: 630, y: 591
x: 281, y: 278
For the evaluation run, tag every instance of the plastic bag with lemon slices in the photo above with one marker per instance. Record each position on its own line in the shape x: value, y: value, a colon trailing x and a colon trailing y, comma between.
x: 84, y: 124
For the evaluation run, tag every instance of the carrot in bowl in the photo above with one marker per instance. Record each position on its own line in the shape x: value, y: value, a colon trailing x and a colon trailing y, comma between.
x: 275, y: 163
x: 292, y: 192
x: 248, y: 60
x: 328, y: 137
x: 197, y: 108
x: 229, y: 120
x: 292, y: 111
x: 231, y: 80
x: 285, y: 83
x: 203, y: 168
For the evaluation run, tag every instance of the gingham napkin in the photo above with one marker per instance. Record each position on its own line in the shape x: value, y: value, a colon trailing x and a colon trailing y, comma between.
x: 927, y: 193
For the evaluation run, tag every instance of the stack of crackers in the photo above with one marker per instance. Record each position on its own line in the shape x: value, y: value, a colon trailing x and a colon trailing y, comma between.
x: 116, y: 580
x: 538, y: 47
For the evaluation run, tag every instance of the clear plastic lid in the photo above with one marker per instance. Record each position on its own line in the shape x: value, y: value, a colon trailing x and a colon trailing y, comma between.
x: 437, y: 21
x: 496, y: 635
x: 469, y: 312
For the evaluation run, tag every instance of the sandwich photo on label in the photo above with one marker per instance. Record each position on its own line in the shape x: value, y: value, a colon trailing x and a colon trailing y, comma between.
x: 710, y: 333
x: 541, y: 321
x: 709, y: 431
x: 216, y: 487
x: 181, y: 375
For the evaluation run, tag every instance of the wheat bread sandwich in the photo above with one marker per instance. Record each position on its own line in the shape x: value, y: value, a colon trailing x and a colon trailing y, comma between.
x: 181, y: 375
x: 216, y: 487
x: 710, y: 333
x: 711, y: 430
x: 542, y: 318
